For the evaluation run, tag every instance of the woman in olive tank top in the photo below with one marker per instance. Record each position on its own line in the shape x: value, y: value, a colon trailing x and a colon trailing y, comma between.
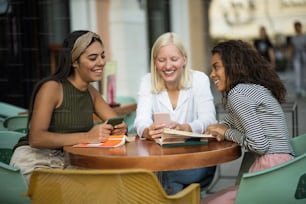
x: 62, y: 106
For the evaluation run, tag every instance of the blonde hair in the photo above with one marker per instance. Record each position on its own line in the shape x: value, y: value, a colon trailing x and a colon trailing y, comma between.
x: 157, y: 81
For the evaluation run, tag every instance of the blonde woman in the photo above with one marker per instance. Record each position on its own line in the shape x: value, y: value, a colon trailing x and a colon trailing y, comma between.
x: 184, y: 94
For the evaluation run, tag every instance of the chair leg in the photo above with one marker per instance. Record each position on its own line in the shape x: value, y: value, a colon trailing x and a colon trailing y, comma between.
x: 247, y: 161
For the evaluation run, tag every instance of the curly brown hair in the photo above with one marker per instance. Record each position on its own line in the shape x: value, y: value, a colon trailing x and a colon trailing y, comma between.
x: 243, y: 64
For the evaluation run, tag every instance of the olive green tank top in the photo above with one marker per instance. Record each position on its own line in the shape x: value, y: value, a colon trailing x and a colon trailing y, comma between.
x: 75, y: 114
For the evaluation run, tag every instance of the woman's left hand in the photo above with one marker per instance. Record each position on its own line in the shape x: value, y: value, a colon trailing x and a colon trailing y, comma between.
x: 217, y: 130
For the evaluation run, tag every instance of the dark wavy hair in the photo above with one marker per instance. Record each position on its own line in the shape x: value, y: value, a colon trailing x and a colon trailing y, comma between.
x: 64, y: 65
x: 243, y: 64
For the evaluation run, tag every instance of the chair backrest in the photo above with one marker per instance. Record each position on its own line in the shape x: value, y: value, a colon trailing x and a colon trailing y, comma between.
x: 281, y: 184
x: 17, y: 123
x: 299, y: 144
x: 7, y: 110
x: 13, y: 186
x: 247, y: 160
x: 8, y: 139
x: 129, y: 118
x: 125, y: 99
x: 2, y: 124
x: 103, y: 186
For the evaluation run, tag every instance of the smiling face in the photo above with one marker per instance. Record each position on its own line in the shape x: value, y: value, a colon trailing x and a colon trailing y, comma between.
x: 90, y: 65
x: 170, y: 63
x: 218, y: 73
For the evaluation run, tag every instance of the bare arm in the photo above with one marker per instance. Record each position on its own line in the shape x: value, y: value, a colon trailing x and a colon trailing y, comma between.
x: 104, y: 111
x: 47, y: 99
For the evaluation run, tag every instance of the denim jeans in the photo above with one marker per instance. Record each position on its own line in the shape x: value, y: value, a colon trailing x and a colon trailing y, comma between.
x: 175, y: 181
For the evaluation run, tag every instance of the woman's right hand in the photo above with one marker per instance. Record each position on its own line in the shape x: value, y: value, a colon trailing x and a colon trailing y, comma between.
x: 154, y: 131
x: 100, y: 133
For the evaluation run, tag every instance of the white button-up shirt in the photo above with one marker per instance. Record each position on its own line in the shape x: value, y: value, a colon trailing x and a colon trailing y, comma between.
x: 195, y: 105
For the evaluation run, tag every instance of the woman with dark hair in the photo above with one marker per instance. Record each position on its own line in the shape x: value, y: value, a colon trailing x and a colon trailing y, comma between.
x: 252, y: 93
x: 264, y: 46
x: 62, y: 106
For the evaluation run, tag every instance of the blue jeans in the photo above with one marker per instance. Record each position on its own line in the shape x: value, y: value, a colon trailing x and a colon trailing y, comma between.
x: 175, y: 181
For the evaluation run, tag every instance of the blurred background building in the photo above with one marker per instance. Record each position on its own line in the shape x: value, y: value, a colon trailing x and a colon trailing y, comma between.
x: 32, y: 31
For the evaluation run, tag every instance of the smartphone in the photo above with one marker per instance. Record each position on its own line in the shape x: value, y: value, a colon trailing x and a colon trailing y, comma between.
x: 115, y: 121
x: 161, y: 118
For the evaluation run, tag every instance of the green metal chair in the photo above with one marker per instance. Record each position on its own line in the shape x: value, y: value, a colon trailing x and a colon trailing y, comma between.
x: 7, y: 110
x: 247, y: 160
x: 284, y: 183
x: 128, y: 119
x: 299, y: 144
x: 16, y: 123
x: 13, y: 186
x: 2, y: 125
x: 8, y: 139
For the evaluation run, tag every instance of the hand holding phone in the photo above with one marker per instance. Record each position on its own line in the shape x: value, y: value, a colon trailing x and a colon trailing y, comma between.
x: 115, y: 121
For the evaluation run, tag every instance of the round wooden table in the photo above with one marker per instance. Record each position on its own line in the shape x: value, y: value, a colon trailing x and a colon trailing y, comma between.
x: 149, y: 155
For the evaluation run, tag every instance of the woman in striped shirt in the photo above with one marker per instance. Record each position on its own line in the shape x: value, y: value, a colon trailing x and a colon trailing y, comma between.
x: 252, y: 93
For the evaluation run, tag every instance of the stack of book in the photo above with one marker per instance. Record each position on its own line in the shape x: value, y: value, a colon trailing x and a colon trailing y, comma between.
x: 171, y: 137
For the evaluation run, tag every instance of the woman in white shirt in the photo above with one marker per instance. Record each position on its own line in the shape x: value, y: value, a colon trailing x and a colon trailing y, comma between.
x: 183, y: 93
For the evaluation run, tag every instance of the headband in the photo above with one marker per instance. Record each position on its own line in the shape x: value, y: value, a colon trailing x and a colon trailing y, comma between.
x: 81, y: 44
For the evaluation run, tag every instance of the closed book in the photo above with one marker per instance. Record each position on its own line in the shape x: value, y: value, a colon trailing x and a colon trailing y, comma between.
x: 112, y: 141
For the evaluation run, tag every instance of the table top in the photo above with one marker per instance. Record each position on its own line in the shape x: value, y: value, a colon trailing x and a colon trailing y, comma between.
x: 149, y: 155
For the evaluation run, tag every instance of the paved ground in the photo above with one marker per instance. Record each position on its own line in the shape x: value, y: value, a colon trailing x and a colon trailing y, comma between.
x: 229, y: 171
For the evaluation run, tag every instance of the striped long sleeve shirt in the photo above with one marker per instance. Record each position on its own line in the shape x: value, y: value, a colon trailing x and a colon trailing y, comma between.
x: 256, y: 120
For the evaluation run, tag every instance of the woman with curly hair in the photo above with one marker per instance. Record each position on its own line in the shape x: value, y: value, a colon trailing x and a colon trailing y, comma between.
x: 252, y: 93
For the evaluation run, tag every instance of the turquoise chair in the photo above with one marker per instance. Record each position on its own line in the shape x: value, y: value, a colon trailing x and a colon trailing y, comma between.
x: 281, y: 184
x: 8, y: 139
x: 299, y: 144
x: 7, y: 110
x: 2, y: 125
x: 247, y: 160
x: 16, y: 123
x: 128, y: 119
x: 125, y: 99
x: 13, y: 186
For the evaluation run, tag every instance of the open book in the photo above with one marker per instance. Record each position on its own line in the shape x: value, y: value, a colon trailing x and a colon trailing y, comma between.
x: 171, y: 137
x: 113, y: 141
